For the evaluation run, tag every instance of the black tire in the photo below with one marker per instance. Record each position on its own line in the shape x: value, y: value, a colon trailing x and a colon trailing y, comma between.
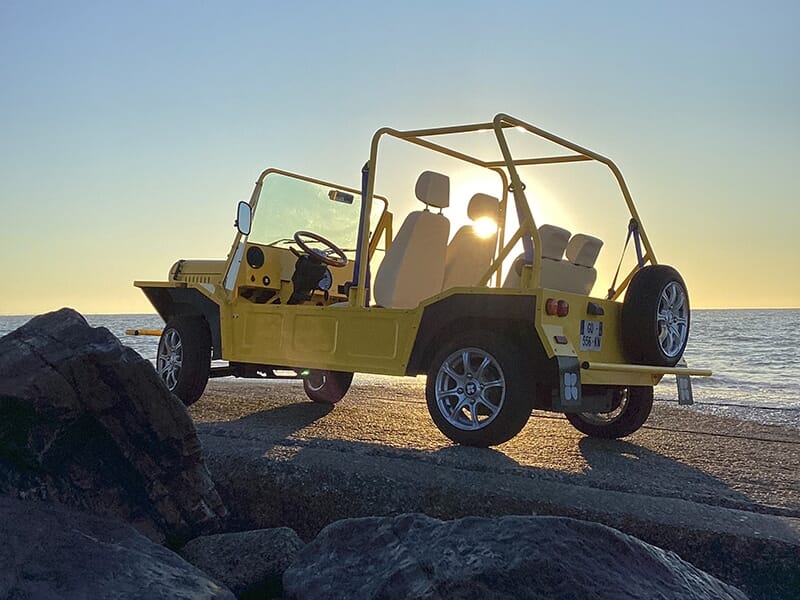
x: 183, y: 359
x: 463, y: 406
x: 655, y: 317
x: 635, y: 405
x: 327, y: 387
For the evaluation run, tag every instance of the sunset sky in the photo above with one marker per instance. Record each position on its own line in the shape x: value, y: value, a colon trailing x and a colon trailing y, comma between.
x: 129, y: 130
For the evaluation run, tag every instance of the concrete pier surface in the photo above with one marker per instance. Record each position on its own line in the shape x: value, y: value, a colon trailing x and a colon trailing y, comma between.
x: 724, y: 494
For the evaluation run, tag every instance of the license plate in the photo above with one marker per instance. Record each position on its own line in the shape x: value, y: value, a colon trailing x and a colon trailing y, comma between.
x: 591, y: 335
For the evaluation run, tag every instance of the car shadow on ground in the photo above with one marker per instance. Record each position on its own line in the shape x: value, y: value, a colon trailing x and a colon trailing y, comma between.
x: 625, y: 466
x: 274, y: 424
x: 618, y: 465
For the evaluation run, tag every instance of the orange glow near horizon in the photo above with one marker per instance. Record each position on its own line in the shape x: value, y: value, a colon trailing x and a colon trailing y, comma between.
x: 131, y: 130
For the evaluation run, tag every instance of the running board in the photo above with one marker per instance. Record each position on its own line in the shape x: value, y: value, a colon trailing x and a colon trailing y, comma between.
x: 250, y: 371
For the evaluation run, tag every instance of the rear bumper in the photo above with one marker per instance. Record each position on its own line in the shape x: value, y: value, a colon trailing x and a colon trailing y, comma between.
x: 647, y: 369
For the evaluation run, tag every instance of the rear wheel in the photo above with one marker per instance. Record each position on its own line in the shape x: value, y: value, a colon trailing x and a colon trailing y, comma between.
x: 327, y: 387
x: 183, y: 359
x: 477, y: 393
x: 630, y: 413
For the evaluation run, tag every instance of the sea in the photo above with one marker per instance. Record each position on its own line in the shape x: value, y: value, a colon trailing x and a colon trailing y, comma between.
x: 753, y: 354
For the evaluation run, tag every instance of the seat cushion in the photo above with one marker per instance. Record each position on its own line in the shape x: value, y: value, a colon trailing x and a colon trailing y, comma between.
x: 413, y: 268
x: 468, y: 257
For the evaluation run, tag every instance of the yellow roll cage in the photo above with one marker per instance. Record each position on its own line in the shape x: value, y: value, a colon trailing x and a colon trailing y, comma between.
x: 506, y: 169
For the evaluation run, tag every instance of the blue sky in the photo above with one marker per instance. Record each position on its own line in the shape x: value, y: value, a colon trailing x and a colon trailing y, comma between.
x: 130, y: 130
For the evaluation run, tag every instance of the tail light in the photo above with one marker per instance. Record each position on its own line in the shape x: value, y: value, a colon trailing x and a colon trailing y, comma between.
x: 555, y: 307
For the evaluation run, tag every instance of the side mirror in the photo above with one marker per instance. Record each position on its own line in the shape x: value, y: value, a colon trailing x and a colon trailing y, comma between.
x: 244, y: 217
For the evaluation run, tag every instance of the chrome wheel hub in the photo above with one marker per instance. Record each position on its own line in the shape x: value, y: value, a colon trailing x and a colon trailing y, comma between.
x: 470, y: 389
x: 170, y: 358
x: 607, y: 417
x: 672, y: 319
x: 317, y: 380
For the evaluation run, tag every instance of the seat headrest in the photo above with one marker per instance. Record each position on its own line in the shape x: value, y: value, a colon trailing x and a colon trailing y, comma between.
x: 554, y: 241
x: 483, y: 205
x: 433, y: 189
x: 583, y: 249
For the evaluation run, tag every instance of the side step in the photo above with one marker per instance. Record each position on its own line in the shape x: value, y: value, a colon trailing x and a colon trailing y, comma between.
x: 249, y: 371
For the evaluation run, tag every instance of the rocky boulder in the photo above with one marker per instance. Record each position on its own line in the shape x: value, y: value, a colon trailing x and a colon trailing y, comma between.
x: 50, y: 551
x: 86, y: 421
x: 413, y: 556
x: 250, y: 563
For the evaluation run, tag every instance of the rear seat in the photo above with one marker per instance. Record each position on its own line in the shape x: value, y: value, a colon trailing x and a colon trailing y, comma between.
x: 582, y: 252
x: 576, y: 274
x: 554, y: 242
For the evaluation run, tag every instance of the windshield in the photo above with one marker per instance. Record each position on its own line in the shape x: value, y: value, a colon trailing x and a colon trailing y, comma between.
x: 288, y: 204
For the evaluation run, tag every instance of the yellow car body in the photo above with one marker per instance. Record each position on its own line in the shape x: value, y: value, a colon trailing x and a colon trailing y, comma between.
x: 256, y: 324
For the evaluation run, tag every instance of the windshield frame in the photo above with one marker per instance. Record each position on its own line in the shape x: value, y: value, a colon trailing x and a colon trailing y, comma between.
x: 259, y: 198
x: 239, y: 240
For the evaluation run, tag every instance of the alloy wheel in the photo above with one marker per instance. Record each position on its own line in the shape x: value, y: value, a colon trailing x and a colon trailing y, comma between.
x: 673, y: 319
x: 470, y: 388
x: 170, y: 358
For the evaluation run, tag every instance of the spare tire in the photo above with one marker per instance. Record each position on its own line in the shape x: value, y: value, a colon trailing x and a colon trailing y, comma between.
x: 655, y: 317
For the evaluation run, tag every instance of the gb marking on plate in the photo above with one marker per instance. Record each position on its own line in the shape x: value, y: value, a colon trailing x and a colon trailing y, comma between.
x: 591, y: 335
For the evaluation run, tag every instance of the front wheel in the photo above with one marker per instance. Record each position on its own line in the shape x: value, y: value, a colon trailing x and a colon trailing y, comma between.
x: 327, y: 387
x: 632, y: 410
x: 477, y: 392
x: 183, y: 359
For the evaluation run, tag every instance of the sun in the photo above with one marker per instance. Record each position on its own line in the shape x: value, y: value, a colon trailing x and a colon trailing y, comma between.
x: 485, y: 227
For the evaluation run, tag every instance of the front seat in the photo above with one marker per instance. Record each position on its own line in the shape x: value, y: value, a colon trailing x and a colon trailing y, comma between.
x: 413, y: 268
x: 469, y: 254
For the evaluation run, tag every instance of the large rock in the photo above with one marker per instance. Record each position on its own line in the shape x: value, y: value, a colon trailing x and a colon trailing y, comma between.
x: 49, y: 551
x: 248, y: 562
x: 86, y: 421
x: 414, y: 557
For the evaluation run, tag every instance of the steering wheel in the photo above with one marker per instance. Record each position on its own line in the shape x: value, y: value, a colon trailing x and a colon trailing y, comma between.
x: 329, y: 257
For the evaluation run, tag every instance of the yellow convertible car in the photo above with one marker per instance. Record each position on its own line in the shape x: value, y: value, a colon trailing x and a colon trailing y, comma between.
x: 320, y: 283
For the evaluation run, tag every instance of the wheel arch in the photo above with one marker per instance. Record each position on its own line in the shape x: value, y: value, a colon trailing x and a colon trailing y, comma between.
x: 173, y: 302
x: 501, y: 314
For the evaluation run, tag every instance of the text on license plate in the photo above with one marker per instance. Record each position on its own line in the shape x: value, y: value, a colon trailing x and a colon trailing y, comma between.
x: 591, y: 335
